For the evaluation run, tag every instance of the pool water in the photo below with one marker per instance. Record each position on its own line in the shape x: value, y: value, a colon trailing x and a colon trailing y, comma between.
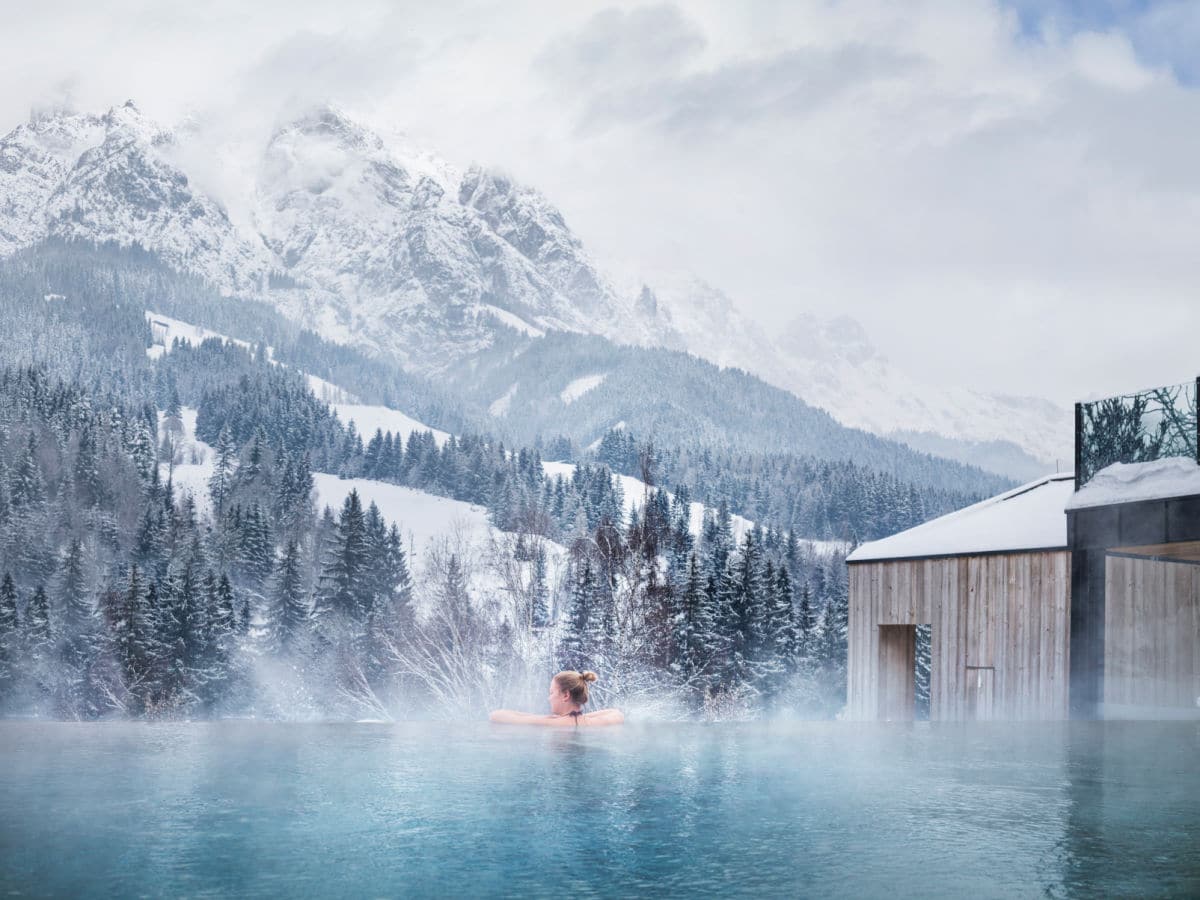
x: 434, y: 810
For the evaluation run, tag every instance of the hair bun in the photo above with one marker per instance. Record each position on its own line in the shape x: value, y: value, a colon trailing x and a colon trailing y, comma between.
x: 588, y: 676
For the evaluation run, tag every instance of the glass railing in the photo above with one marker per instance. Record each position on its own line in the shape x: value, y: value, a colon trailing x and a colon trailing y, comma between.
x: 1130, y: 428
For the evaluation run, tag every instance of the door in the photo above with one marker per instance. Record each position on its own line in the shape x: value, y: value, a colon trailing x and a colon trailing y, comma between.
x: 897, y: 659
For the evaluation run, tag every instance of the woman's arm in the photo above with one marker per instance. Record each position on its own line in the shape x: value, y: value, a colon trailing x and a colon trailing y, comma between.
x: 512, y: 717
x: 600, y: 717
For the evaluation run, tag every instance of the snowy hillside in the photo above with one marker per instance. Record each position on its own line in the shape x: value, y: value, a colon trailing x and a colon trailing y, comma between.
x: 423, y: 519
x: 832, y: 364
x: 634, y: 494
x: 165, y: 330
x: 388, y: 248
x: 368, y: 419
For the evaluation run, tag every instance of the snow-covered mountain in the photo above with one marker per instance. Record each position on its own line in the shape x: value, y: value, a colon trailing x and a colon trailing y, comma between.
x: 831, y: 363
x: 389, y: 247
x: 110, y: 178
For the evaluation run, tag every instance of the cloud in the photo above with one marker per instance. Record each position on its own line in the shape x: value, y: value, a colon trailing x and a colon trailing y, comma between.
x: 310, y: 67
x: 776, y: 90
x: 618, y: 46
x: 1005, y: 195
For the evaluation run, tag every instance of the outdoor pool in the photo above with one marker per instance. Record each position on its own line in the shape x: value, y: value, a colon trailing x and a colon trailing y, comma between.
x: 825, y: 809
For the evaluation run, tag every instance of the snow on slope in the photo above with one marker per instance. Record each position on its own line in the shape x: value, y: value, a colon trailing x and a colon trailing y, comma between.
x: 115, y: 180
x: 581, y: 386
x: 165, y: 330
x: 832, y: 364
x: 633, y: 491
x: 429, y: 523
x: 193, y: 461
x: 504, y: 317
x: 500, y: 405
x: 367, y: 418
x: 388, y: 248
x: 421, y: 517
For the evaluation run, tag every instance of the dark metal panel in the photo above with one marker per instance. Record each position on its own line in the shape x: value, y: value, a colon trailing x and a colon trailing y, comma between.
x: 1183, y: 519
x: 1141, y: 523
x: 1096, y: 526
x: 1087, y: 633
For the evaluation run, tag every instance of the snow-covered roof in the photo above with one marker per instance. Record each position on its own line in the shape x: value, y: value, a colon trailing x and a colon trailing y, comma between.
x: 1030, y: 517
x: 1175, y: 476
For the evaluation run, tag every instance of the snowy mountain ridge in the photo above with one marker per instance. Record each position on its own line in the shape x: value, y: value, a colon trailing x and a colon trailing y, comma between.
x: 392, y: 249
x: 832, y: 364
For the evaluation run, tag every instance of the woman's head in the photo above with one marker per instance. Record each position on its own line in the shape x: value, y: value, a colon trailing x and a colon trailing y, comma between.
x: 569, y: 691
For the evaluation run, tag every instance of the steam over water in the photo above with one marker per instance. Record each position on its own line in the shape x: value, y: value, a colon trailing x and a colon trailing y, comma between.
x: 421, y: 809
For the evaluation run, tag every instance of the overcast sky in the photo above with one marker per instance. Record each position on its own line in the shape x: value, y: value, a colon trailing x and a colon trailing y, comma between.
x: 1006, y: 195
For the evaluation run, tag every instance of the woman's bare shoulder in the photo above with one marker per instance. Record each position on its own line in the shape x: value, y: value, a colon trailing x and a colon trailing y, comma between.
x: 611, y: 716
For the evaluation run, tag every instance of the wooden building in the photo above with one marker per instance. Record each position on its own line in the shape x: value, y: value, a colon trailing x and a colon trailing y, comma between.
x: 993, y: 583
x: 1042, y: 603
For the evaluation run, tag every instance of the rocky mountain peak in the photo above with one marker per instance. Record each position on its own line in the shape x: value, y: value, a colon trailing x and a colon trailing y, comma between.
x: 384, y: 244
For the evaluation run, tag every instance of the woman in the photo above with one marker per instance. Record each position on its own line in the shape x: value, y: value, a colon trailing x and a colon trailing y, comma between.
x: 568, y: 692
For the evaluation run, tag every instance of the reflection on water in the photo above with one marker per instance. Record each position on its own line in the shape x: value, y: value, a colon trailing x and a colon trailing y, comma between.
x: 421, y: 809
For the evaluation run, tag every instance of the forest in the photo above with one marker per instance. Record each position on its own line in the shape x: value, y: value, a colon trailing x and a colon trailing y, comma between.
x: 123, y: 595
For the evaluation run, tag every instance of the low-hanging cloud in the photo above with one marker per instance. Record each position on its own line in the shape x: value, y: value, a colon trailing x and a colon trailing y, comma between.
x: 1006, y: 198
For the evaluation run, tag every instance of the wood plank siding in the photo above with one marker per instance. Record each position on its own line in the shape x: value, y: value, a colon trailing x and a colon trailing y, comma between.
x: 1151, y: 636
x: 1000, y: 626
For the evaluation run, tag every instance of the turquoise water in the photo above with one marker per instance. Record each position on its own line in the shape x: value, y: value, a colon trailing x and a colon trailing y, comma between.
x: 420, y: 809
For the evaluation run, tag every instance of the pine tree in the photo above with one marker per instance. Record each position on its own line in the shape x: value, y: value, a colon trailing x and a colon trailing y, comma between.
x: 224, y: 466
x: 9, y: 638
x: 376, y: 574
x: 455, y: 626
x: 692, y: 632
x: 38, y: 641
x: 830, y: 651
x: 28, y: 487
x: 78, y: 612
x: 575, y: 646
x: 37, y: 629
x: 244, y: 615
x: 540, y: 595
x: 28, y: 518
x: 150, y: 550
x: 289, y: 608
x: 343, y: 595
x: 805, y: 621
x: 132, y: 643
x: 143, y: 452
x: 218, y: 640
x: 89, y: 487
x: 257, y: 548
x: 222, y: 618
x: 747, y: 627
x: 783, y: 633
x: 172, y: 619
x: 390, y: 621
